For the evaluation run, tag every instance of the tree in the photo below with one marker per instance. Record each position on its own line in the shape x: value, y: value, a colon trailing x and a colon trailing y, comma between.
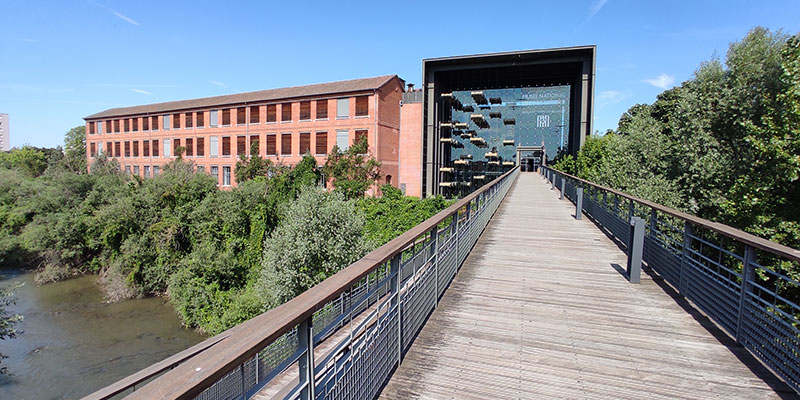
x: 7, y: 320
x: 75, y: 150
x: 320, y: 234
x: 252, y: 167
x: 29, y: 160
x: 353, y: 171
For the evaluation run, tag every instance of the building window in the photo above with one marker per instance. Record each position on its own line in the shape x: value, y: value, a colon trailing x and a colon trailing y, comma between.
x: 146, y: 148
x: 241, y: 145
x: 128, y: 169
x: 226, y: 176
x: 388, y: 179
x: 226, y: 117
x: 108, y: 126
x: 91, y: 128
x: 305, y: 110
x: 201, y: 150
x: 272, y: 113
x: 215, y: 173
x: 255, y: 114
x: 254, y: 143
x: 213, y: 143
x: 201, y: 119
x: 272, y: 148
x: 241, y: 115
x: 156, y: 170
x: 342, y: 140
x: 166, y: 123
x: 127, y: 125
x: 100, y: 148
x: 213, y: 117
x: 154, y: 120
x: 342, y: 108
x: 116, y: 126
x: 110, y: 149
x: 99, y: 127
x: 360, y: 134
x: 189, y: 147
x: 146, y: 124
x: 286, y: 144
x: 166, y: 149
x: 286, y: 112
x: 136, y: 148
x: 201, y: 169
x: 305, y: 143
x: 117, y: 151
x: 322, y: 143
x: 322, y: 109
x: 155, y: 147
x: 226, y: 146
x: 136, y: 170
x: 127, y: 149
x: 188, y: 120
x: 176, y: 148
x: 362, y: 106
x: 136, y: 124
x: 146, y: 171
x: 92, y: 150
x: 176, y: 121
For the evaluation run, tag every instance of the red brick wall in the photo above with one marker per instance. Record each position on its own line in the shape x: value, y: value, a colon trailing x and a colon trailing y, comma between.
x: 410, y: 148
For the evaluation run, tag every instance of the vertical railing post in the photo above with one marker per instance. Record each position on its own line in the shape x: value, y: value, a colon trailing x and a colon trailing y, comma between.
x: 305, y: 339
x: 687, y: 245
x: 635, y: 247
x: 578, y: 201
x: 395, y: 282
x: 553, y: 182
x: 563, y: 184
x: 435, y: 260
x: 748, y: 275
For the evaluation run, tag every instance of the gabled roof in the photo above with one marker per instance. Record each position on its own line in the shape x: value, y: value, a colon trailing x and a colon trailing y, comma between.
x: 354, y: 85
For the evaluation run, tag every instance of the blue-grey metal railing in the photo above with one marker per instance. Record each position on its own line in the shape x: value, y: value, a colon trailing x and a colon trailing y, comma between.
x: 375, y: 308
x: 747, y: 285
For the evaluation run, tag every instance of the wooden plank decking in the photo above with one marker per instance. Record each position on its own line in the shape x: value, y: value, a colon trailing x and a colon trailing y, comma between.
x: 541, y: 310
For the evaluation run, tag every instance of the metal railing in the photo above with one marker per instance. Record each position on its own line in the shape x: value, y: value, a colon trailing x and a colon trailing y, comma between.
x: 746, y: 284
x: 374, y: 308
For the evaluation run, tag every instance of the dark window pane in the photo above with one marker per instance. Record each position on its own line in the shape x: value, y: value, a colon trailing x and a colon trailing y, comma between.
x: 254, y: 143
x: 322, y: 109
x: 286, y: 112
x: 146, y: 148
x: 201, y: 119
x: 272, y: 113
x: 226, y: 117
x: 305, y: 110
x: 362, y: 106
x: 322, y: 143
x: 155, y: 148
x: 136, y: 148
x: 286, y: 144
x: 226, y: 146
x: 176, y: 144
x: 201, y: 150
x: 305, y: 143
x: 254, y: 114
x: 271, y: 145
x: 241, y: 115
x: 241, y: 145
x: 189, y: 147
x: 176, y: 121
x: 189, y: 122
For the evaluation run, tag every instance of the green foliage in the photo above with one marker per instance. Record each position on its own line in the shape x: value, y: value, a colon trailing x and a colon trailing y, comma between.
x: 75, y: 150
x: 28, y: 160
x: 248, y: 168
x: 320, y: 234
x: 392, y: 214
x: 353, y: 171
x: 724, y: 145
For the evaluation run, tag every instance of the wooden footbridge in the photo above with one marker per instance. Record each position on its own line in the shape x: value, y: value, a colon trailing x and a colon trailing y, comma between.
x: 528, y: 288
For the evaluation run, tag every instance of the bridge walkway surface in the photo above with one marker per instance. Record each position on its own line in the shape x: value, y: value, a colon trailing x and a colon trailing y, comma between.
x: 541, y: 309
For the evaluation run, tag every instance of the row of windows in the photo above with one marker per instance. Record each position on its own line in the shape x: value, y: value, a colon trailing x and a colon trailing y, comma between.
x: 213, y: 171
x: 195, y: 147
x: 243, y: 115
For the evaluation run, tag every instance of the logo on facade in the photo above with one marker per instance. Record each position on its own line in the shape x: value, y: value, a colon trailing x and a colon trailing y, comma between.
x: 543, y: 121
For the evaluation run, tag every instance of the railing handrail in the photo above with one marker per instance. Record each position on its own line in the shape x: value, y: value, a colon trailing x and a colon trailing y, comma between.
x: 206, y: 366
x: 729, y: 231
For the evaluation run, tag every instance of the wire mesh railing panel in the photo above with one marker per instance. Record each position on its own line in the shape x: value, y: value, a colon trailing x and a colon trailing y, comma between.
x: 751, y: 292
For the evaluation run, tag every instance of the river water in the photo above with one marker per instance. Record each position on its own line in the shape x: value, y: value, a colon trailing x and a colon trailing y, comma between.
x: 74, y: 343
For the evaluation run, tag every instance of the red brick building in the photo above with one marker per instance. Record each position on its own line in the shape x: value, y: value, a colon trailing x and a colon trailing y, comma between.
x: 285, y: 123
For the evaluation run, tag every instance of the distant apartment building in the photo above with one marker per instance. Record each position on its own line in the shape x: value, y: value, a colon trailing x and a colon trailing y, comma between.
x: 5, y: 135
x: 284, y: 123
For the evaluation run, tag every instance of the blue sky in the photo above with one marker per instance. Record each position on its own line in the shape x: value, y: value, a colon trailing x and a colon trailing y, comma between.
x: 64, y: 60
